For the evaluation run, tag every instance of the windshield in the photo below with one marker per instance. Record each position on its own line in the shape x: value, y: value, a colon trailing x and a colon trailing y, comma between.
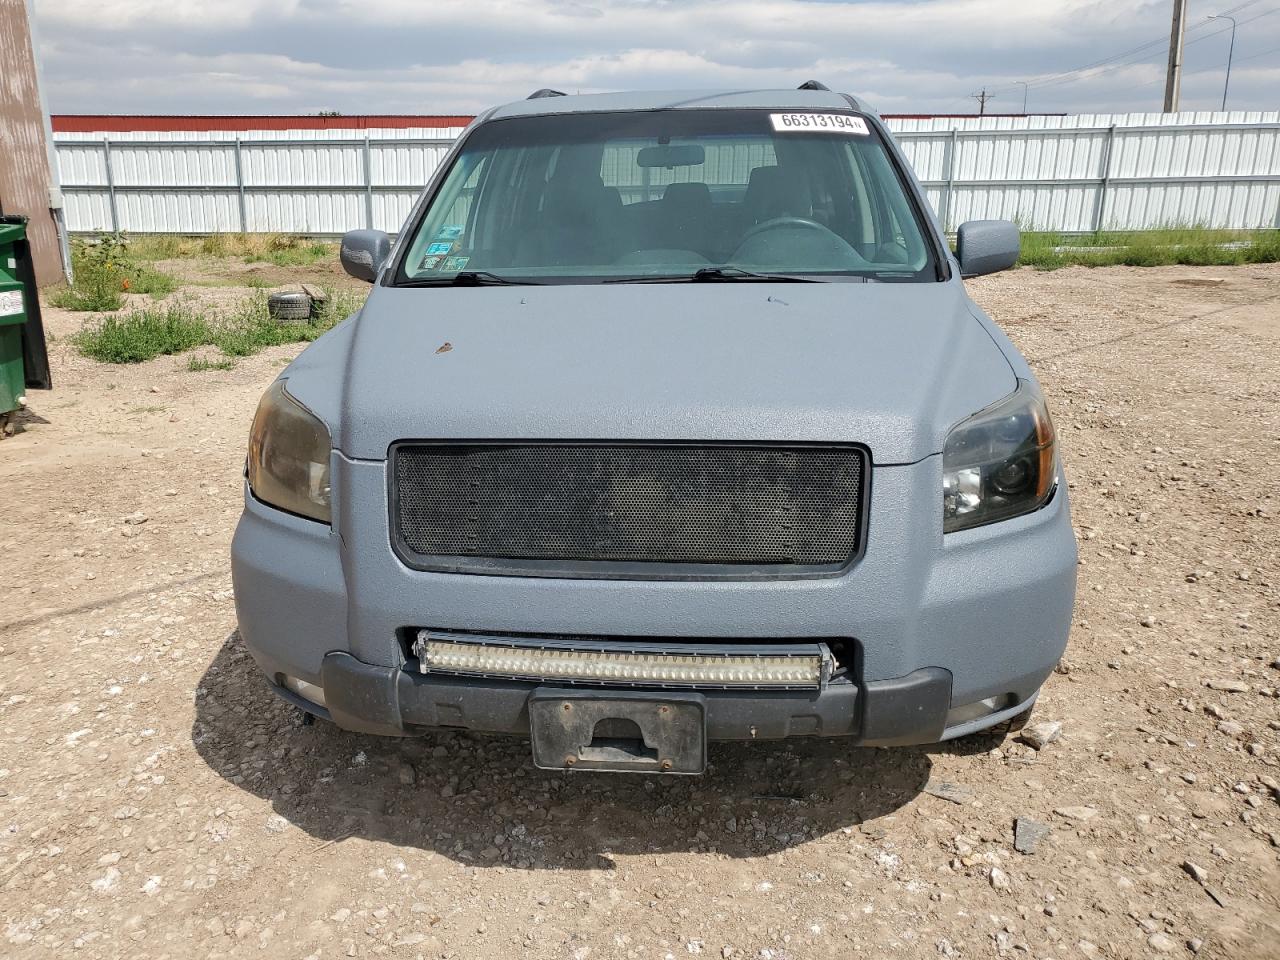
x: 670, y: 194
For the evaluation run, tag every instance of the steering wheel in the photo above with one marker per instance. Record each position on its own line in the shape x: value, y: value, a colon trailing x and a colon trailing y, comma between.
x: 783, y: 223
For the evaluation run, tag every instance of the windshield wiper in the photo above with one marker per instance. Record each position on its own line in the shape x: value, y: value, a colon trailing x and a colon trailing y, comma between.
x: 716, y: 274
x: 719, y: 275
x: 470, y: 278
x: 483, y: 278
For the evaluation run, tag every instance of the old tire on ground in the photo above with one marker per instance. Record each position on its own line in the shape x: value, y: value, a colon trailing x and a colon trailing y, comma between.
x: 290, y: 305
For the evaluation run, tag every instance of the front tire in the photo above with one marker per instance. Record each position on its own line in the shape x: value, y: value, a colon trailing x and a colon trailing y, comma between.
x: 1006, y: 728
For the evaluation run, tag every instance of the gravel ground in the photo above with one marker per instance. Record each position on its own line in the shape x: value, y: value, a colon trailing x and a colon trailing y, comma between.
x: 157, y: 801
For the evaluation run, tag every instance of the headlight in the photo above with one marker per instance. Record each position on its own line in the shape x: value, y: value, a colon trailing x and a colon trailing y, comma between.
x: 999, y: 463
x: 289, y: 456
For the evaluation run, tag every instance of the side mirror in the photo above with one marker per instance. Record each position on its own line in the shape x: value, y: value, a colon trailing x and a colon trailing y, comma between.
x: 987, y: 246
x: 364, y: 252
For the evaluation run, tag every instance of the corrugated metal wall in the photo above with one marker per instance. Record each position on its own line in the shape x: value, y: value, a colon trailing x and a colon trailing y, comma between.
x: 293, y: 181
x: 1101, y: 171
x: 1072, y: 173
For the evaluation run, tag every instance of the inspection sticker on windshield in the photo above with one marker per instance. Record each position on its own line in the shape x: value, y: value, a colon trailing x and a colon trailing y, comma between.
x: 819, y: 123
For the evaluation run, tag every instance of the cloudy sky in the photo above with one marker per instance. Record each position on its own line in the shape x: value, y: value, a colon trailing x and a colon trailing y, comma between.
x: 447, y: 56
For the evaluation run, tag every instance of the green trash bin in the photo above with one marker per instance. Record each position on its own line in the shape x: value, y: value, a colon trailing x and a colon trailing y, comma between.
x: 23, y: 358
x: 13, y: 316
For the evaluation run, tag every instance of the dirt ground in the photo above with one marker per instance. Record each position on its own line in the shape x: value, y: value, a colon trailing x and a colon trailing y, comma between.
x: 157, y: 801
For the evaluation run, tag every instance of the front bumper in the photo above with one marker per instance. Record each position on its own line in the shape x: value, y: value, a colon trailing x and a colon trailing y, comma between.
x: 395, y: 702
x: 938, y: 622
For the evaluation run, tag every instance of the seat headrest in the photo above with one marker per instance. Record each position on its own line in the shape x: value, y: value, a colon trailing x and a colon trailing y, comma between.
x: 770, y: 193
x: 688, y: 194
x: 571, y: 195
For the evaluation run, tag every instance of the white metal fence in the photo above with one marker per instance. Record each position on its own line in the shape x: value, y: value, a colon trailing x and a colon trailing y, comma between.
x: 1072, y: 174
x: 1092, y: 172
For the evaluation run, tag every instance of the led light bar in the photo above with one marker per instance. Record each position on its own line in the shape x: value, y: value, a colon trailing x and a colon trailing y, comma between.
x: 756, y: 665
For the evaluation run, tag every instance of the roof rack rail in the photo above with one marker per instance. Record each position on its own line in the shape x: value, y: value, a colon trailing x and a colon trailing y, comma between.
x: 545, y: 92
x: 813, y: 85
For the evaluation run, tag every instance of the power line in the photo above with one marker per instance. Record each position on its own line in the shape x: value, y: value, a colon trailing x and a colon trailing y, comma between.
x: 1240, y: 6
x: 1098, y: 69
x: 1070, y: 76
x: 1139, y: 55
x: 1254, y: 56
x: 1049, y: 77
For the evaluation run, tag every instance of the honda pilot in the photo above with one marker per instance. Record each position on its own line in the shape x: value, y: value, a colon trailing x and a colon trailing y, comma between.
x: 667, y: 420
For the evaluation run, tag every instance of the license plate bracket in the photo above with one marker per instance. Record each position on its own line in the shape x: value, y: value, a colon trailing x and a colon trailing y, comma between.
x: 619, y: 731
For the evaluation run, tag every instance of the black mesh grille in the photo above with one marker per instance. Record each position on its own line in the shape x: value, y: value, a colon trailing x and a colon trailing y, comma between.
x: 760, y: 505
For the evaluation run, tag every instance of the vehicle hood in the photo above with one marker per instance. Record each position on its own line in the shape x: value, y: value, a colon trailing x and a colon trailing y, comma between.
x: 892, y: 366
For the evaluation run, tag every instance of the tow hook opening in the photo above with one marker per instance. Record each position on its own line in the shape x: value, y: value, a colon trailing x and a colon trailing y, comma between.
x: 617, y: 739
x: 625, y: 731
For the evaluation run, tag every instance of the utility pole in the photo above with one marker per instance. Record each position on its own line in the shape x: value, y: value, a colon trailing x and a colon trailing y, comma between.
x: 982, y: 99
x: 1173, y: 82
x: 1231, y: 52
x: 1026, y: 85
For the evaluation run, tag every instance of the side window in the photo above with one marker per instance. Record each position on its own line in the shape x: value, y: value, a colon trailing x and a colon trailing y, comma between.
x: 890, y: 208
x: 864, y: 217
x: 446, y: 237
x: 460, y: 209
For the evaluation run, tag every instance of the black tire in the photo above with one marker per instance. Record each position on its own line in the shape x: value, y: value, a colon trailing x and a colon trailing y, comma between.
x: 289, y: 306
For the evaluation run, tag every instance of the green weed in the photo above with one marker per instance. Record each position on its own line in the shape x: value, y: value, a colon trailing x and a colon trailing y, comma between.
x: 154, y: 282
x: 143, y: 334
x: 289, y: 251
x: 340, y: 304
x: 242, y: 331
x: 105, y: 270
x: 158, y: 246
x: 251, y: 328
x: 201, y: 364
x: 237, y: 280
x: 282, y: 249
x: 1189, y: 246
x: 97, y: 293
x: 101, y: 272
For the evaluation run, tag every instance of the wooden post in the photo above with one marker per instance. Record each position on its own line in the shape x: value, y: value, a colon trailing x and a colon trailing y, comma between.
x: 25, y: 176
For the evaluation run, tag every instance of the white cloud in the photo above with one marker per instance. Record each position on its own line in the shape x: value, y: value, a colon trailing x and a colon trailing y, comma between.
x: 389, y: 56
x: 113, y: 15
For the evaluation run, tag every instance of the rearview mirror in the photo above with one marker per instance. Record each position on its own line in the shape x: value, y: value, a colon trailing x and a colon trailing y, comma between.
x: 364, y: 252
x: 672, y: 155
x: 987, y: 246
